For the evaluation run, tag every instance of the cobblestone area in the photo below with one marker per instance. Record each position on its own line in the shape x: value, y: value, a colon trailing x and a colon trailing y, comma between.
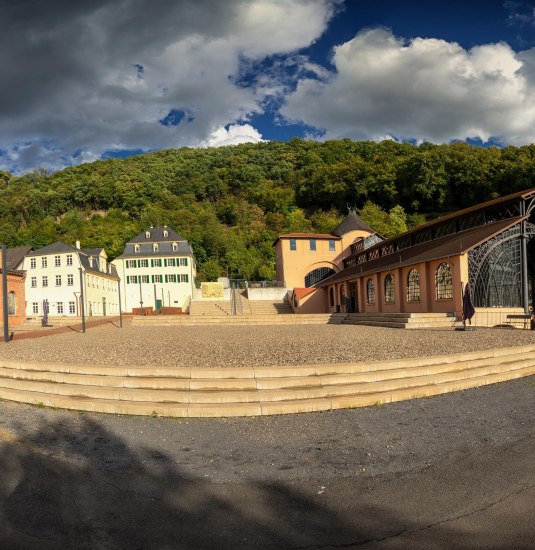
x: 255, y: 345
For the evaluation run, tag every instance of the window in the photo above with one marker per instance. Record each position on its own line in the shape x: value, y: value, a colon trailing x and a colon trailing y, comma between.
x: 58, y: 280
x: 331, y: 245
x: 35, y: 307
x: 156, y: 263
x: 184, y: 278
x: 131, y: 263
x: 69, y: 259
x: 370, y: 292
x: 175, y: 247
x: 44, y: 262
x: 413, y: 286
x: 183, y: 262
x: 312, y: 244
x: 136, y: 248
x: 444, y: 282
x: 170, y: 262
x: 57, y: 261
x: 11, y: 300
x: 131, y: 279
x: 155, y: 247
x: 34, y: 282
x: 143, y: 263
x: 293, y: 244
x: 45, y: 281
x: 33, y: 263
x: 70, y: 280
x: 165, y: 233
x: 60, y: 308
x: 144, y: 278
x: 170, y: 279
x: 331, y: 297
x: 147, y: 234
x: 389, y: 289
x: 317, y: 275
x: 72, y: 308
x: 157, y: 278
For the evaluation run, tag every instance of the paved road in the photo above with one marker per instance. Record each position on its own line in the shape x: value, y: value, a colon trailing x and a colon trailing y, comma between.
x: 455, y: 471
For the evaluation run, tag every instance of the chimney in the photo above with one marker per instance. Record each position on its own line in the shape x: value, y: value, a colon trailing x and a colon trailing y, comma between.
x: 78, y: 245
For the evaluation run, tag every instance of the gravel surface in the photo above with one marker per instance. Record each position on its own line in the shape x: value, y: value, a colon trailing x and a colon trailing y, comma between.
x: 254, y: 346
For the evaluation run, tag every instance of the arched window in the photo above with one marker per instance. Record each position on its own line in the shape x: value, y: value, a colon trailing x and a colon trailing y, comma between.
x: 389, y: 289
x: 444, y: 282
x: 155, y: 247
x: 317, y: 275
x: 370, y: 292
x: 11, y: 308
x: 413, y: 286
x: 331, y: 297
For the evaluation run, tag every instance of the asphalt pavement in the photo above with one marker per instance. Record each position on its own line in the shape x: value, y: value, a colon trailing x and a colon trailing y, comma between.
x: 454, y: 471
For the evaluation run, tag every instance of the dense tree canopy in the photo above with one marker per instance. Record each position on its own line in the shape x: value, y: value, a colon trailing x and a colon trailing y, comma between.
x: 231, y: 202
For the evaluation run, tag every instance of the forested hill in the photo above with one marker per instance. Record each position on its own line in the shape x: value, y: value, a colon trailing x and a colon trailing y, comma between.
x: 231, y: 202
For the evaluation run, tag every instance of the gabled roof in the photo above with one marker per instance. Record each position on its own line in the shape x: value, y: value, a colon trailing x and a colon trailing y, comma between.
x: 352, y: 222
x: 93, y: 251
x: 14, y: 256
x: 165, y: 249
x: 157, y: 236
x: 444, y: 247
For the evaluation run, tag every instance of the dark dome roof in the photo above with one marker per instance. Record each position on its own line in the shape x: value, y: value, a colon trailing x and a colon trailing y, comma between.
x: 351, y: 223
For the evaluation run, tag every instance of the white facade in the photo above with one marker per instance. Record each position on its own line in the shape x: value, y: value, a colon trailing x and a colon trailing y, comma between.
x: 57, y: 272
x: 157, y: 269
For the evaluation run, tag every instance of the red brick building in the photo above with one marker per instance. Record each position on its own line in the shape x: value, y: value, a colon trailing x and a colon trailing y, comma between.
x: 16, y: 299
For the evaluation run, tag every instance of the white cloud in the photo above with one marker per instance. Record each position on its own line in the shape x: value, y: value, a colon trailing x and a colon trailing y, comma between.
x: 424, y: 89
x: 234, y: 135
x: 75, y: 77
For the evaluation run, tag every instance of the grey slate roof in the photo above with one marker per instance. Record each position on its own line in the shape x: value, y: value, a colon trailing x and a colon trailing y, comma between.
x: 156, y: 236
x: 14, y: 256
x: 54, y: 248
x: 165, y: 244
x: 92, y: 251
x: 352, y: 222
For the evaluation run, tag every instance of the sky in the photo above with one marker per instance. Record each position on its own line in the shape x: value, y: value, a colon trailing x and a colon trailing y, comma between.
x: 83, y: 81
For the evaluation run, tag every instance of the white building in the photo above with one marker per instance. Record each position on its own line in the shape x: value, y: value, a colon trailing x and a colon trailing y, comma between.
x: 57, y: 272
x: 157, y: 270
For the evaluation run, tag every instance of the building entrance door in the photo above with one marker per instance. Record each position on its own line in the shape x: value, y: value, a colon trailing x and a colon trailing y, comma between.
x: 158, y: 304
x: 353, y: 298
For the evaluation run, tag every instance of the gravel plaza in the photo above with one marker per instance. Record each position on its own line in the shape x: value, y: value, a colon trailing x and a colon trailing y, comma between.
x: 244, y: 346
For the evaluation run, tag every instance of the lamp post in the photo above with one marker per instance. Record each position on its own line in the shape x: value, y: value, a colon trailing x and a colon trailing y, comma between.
x: 4, y: 294
x: 82, y: 300
x: 120, y: 308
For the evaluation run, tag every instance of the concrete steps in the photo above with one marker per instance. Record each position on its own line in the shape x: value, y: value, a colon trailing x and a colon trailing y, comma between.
x: 240, y: 320
x: 402, y: 320
x: 246, y: 391
x: 220, y: 308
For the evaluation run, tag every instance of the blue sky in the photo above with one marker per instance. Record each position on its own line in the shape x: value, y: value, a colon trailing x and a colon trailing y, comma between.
x: 105, y: 79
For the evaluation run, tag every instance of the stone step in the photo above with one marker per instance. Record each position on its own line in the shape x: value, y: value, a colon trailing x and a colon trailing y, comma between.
x: 284, y: 406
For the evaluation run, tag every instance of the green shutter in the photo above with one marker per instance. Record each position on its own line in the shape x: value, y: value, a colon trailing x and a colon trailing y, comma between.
x: 152, y: 263
x: 187, y: 278
x: 186, y: 262
x: 152, y: 278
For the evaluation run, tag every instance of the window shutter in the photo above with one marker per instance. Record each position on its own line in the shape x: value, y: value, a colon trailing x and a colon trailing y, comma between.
x: 187, y: 278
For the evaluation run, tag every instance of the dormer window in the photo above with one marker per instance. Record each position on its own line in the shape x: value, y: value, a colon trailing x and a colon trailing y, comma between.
x: 91, y: 262
x: 147, y: 234
x: 165, y: 233
x: 175, y: 247
x: 136, y: 248
x: 155, y: 247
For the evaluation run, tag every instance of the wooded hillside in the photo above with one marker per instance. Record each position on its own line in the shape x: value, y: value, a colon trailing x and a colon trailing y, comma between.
x: 231, y: 202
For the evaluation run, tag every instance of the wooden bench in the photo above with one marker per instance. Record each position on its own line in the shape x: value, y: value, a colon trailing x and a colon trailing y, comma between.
x: 525, y: 317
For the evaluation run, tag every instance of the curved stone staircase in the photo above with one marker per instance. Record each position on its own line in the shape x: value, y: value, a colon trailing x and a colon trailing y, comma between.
x: 254, y: 391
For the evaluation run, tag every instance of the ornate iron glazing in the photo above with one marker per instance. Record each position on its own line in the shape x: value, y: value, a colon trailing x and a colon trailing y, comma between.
x: 495, y: 269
